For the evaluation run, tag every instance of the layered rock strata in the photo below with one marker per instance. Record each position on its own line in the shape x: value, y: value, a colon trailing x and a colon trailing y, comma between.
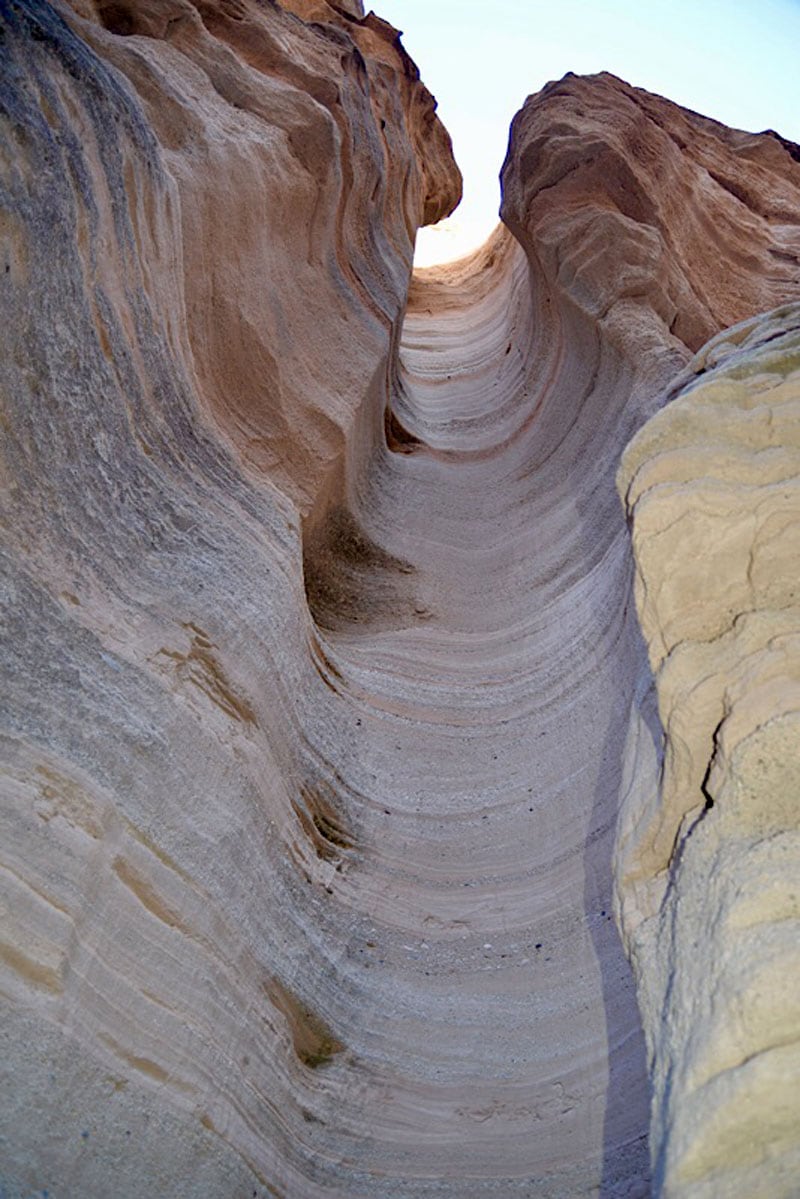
x: 707, y: 865
x: 208, y: 220
x: 320, y: 651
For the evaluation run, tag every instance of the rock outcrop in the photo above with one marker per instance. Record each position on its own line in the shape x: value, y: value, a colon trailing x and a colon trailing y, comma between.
x: 707, y: 865
x: 327, y: 705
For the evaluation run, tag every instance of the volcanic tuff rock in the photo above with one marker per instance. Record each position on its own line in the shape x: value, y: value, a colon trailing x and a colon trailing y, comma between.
x: 327, y: 707
x: 708, y: 867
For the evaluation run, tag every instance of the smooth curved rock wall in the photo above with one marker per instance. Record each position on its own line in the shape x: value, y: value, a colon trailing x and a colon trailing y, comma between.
x: 319, y: 647
x: 197, y: 303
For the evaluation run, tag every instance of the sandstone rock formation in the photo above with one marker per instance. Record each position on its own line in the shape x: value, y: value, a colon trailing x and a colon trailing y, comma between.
x: 325, y: 697
x: 708, y: 865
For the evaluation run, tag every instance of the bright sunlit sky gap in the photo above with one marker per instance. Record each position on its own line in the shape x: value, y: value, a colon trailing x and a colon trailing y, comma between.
x: 735, y: 60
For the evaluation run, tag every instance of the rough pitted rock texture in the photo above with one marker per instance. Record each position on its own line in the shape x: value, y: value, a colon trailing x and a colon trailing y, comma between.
x: 320, y: 645
x: 708, y: 866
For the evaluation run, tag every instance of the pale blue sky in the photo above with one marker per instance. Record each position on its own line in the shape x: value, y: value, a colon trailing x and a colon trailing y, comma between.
x: 735, y: 60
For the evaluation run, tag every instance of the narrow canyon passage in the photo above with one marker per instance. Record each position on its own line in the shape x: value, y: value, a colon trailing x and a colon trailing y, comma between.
x: 327, y: 723
x: 485, y: 683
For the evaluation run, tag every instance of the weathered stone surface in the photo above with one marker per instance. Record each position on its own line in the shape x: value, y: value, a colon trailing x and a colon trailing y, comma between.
x: 638, y: 205
x: 208, y: 222
x: 319, y: 653
x: 707, y: 866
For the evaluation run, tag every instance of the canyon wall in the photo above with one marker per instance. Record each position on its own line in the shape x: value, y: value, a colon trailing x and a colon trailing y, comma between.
x: 328, y: 719
x: 707, y: 864
x: 648, y: 216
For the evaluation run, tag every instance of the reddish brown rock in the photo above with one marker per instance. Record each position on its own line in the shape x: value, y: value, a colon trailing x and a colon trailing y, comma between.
x: 629, y: 199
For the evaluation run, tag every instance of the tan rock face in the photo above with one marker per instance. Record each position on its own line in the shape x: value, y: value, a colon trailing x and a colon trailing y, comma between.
x: 320, y: 657
x: 238, y: 212
x: 634, y: 201
x: 707, y: 870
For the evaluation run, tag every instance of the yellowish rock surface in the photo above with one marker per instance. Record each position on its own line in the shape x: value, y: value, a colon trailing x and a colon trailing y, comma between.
x: 708, y: 867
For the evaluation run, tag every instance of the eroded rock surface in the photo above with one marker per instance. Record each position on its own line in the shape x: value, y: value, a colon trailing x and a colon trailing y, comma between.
x: 708, y: 865
x: 199, y: 304
x: 319, y: 649
x: 636, y: 204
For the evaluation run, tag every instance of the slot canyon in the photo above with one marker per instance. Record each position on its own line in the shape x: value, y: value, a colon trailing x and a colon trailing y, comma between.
x: 401, y: 705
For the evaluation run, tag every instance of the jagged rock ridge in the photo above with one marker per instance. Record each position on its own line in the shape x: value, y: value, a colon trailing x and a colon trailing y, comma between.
x: 321, y: 662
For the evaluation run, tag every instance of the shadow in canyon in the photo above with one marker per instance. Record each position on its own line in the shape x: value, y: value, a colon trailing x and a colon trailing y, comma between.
x: 626, y: 1159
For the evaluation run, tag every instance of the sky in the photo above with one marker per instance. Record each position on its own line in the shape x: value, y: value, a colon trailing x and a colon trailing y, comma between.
x: 735, y: 60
